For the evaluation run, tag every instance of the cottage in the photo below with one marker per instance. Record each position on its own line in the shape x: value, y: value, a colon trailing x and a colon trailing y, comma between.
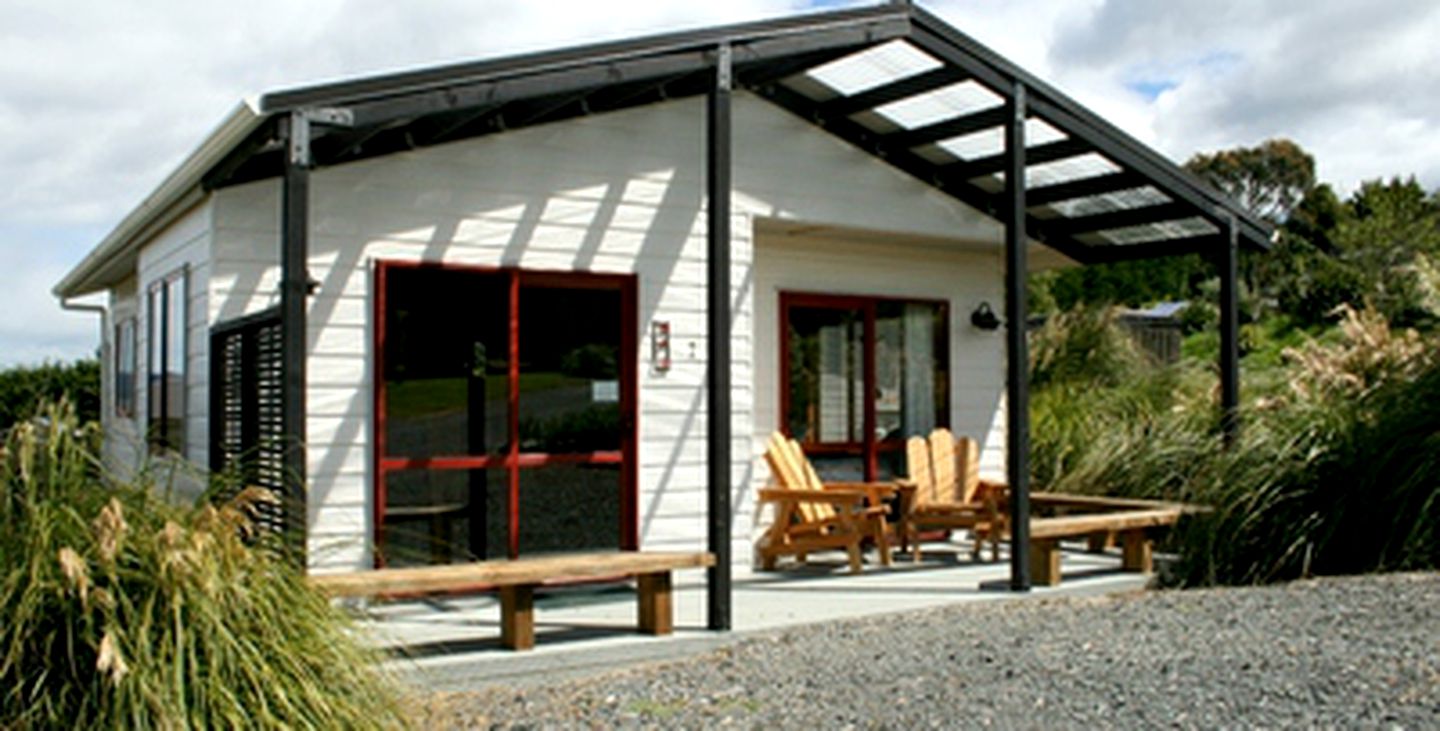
x: 559, y: 301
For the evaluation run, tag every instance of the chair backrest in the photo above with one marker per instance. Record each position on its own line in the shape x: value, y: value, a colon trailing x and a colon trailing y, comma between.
x: 917, y: 463
x: 792, y: 471
x: 953, y: 471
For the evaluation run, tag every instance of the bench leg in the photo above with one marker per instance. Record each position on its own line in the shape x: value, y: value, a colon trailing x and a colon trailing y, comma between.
x: 1137, y: 553
x: 1045, y: 562
x: 853, y: 549
x: 656, y: 612
x: 1099, y: 541
x: 517, y: 616
x: 882, y: 540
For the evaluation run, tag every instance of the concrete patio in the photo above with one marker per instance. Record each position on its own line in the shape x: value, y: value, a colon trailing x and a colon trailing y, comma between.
x: 452, y: 643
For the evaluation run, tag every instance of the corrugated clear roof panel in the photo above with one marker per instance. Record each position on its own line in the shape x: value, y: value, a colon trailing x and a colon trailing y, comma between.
x: 873, y: 67
x: 1039, y: 132
x: 947, y: 102
x: 1179, y: 229
x: 1064, y: 170
x: 1106, y: 202
x: 992, y: 141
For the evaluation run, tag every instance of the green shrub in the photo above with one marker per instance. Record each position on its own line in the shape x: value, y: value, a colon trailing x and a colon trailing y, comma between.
x: 124, y: 610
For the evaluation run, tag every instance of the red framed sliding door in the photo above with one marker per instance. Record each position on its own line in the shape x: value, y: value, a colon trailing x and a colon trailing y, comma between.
x: 505, y: 413
x: 859, y: 375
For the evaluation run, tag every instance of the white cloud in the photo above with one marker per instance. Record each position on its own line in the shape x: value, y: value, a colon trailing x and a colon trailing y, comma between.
x: 98, y: 101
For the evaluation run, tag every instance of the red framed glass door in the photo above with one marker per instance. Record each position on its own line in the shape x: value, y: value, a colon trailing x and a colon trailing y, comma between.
x: 505, y: 405
x: 858, y: 376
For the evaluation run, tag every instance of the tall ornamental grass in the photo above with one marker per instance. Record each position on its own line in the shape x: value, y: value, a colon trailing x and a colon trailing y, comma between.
x: 1336, y: 471
x: 119, y: 609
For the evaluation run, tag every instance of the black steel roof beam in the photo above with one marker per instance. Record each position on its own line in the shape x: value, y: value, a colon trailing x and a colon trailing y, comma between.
x: 1163, y: 174
x: 923, y: 170
x: 540, y: 110
x: 1109, y: 253
x: 1123, y: 218
x: 892, y: 92
x: 938, y: 38
x: 769, y: 71
x: 937, y: 43
x: 339, y: 146
x: 1048, y: 152
x: 948, y: 129
x: 752, y: 41
x: 492, y: 93
x: 450, y: 129
x: 807, y: 50
x: 1084, y: 187
x: 640, y: 93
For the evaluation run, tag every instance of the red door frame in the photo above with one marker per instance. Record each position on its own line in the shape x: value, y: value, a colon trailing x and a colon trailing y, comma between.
x: 869, y: 447
x: 513, y: 461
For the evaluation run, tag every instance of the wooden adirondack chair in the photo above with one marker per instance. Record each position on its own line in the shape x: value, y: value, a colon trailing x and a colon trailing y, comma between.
x: 944, y: 490
x: 813, y: 516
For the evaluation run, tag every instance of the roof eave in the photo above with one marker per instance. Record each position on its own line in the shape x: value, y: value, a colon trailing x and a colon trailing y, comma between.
x: 177, y: 193
x: 410, y: 82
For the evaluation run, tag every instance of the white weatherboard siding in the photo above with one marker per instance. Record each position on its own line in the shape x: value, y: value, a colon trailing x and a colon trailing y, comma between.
x: 963, y: 279
x: 834, y: 220
x: 123, y: 443
x: 185, y: 244
x: 613, y: 193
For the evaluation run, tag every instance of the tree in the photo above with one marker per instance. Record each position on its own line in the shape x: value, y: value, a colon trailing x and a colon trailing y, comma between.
x: 24, y: 388
x: 1269, y: 180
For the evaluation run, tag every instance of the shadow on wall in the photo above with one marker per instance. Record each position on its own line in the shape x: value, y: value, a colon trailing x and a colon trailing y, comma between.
x: 520, y: 200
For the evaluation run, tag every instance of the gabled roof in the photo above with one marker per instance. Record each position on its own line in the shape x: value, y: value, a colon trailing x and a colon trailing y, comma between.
x: 893, y: 80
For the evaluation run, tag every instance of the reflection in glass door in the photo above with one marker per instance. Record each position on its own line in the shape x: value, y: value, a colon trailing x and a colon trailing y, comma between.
x: 858, y: 376
x: 505, y: 413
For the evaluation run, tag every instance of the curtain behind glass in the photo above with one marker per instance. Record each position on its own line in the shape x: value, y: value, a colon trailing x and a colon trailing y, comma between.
x: 919, y: 395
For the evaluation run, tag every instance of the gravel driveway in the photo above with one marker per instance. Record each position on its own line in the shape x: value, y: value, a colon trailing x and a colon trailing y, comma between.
x: 1348, y: 652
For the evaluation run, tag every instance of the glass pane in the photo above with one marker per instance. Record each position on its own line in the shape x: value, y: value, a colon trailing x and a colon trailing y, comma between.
x: 446, y: 362
x: 569, y: 508
x: 125, y: 368
x: 911, y: 379
x: 826, y: 378
x: 569, y: 370
x: 445, y: 516
x: 154, y: 372
x: 175, y: 323
x: 838, y: 467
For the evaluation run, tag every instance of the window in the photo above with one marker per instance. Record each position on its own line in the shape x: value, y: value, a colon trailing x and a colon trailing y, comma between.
x: 859, y: 376
x: 125, y: 368
x: 165, y: 363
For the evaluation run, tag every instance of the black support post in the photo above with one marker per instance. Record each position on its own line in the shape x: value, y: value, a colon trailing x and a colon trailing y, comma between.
x: 717, y: 197
x: 1229, y: 331
x: 1017, y: 358
x: 294, y: 288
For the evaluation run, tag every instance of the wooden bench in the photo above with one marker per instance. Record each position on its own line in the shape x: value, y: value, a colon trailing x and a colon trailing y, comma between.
x: 517, y: 579
x: 1131, y: 520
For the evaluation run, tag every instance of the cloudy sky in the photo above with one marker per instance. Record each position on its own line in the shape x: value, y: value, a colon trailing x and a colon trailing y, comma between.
x: 99, y: 100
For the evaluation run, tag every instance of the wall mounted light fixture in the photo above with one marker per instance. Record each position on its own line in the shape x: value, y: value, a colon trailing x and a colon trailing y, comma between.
x: 983, y: 318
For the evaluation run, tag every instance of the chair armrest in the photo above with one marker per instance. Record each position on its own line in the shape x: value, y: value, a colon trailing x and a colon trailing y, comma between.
x: 834, y: 497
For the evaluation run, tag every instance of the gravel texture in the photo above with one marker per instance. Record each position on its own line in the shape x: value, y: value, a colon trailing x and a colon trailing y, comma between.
x: 1344, y: 652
